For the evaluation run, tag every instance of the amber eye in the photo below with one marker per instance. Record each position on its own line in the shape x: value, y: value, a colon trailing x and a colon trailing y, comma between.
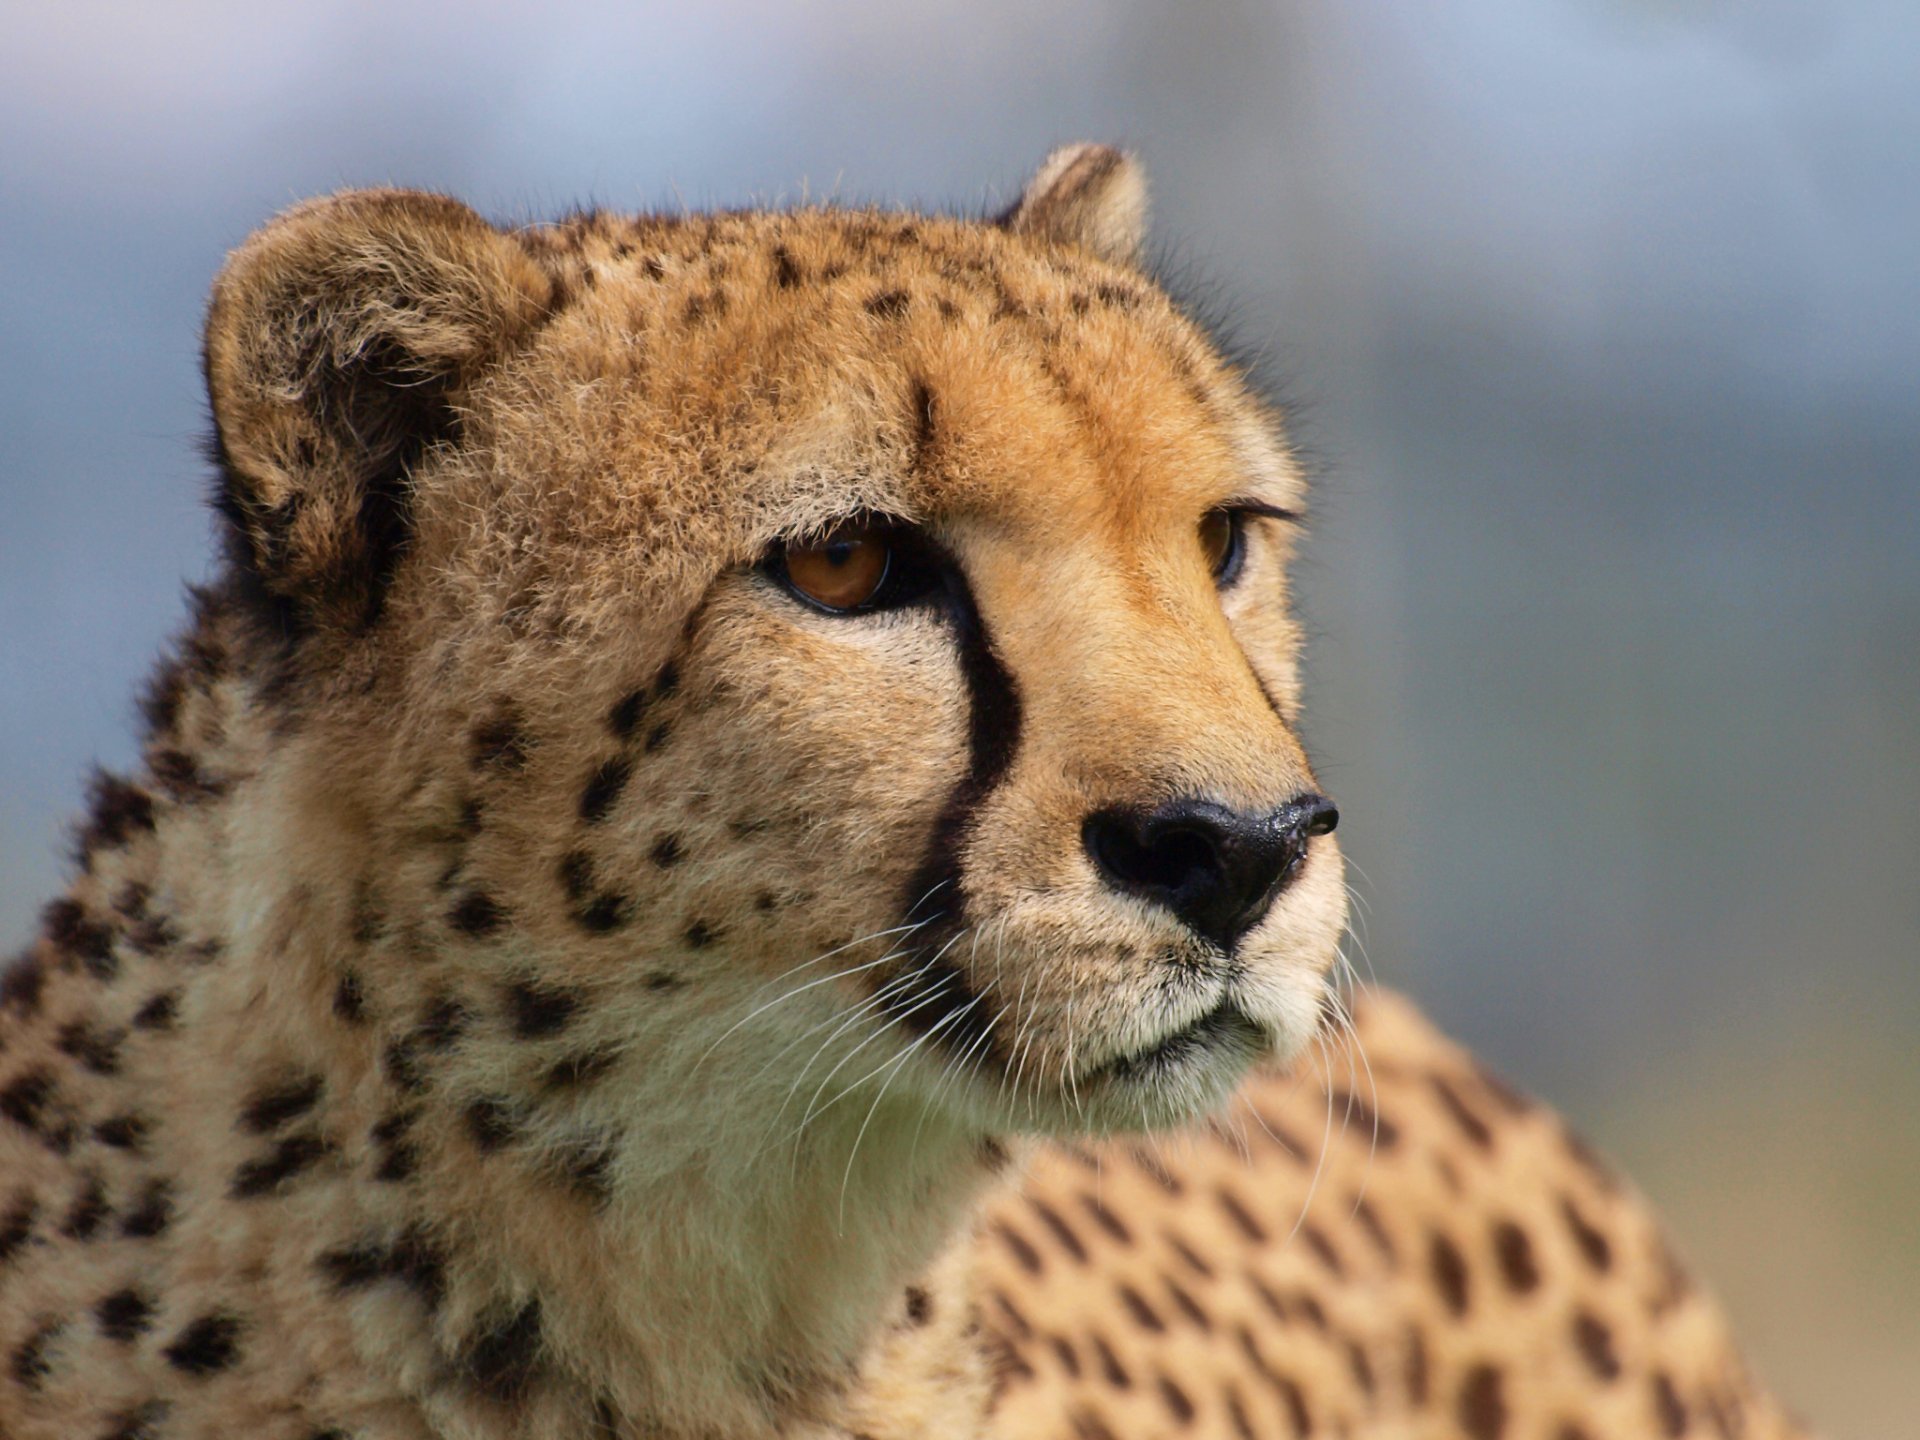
x: 1222, y: 541
x: 843, y: 570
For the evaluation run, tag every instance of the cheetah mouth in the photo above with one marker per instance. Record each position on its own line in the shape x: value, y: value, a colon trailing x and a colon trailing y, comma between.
x: 1226, y: 1031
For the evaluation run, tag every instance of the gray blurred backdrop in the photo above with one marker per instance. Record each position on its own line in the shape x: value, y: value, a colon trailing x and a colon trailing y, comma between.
x: 1603, y: 317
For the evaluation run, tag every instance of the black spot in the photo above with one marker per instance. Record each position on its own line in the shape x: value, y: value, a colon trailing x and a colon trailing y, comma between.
x: 89, y: 1210
x: 1595, y: 1343
x: 536, y: 1010
x: 277, y: 1104
x: 1185, y: 1303
x: 1020, y: 1247
x: 659, y: 981
x: 667, y: 680
x: 1449, y: 1271
x: 97, y: 1049
x: 22, y: 981
x: 290, y: 1157
x: 1594, y: 1245
x: 602, y: 913
x: 476, y: 915
x: 658, y: 736
x: 764, y: 901
x: 502, y: 1359
x: 700, y: 935
x: 1243, y: 1218
x: 31, y: 1101
x: 786, y: 274
x: 1668, y: 1405
x: 576, y: 874
x: 472, y: 812
x: 401, y: 1063
x: 29, y: 1362
x: 1062, y: 1232
x: 603, y: 788
x: 1482, y: 1406
x: 158, y: 1013
x: 624, y: 717
x: 409, y: 1259
x: 16, y: 1225
x: 1515, y: 1253
x: 180, y: 775
x: 1178, y: 1405
x: 595, y: 912
x: 1316, y: 1240
x: 498, y: 744
x: 667, y: 851
x: 919, y: 1306
x: 80, y: 940
x: 416, y: 1262
x: 1471, y: 1125
x: 572, y: 1071
x: 490, y: 1122
x: 1143, y: 1314
x: 350, y: 1000
x: 1365, y: 1124
x: 397, y: 1155
x: 151, y: 1213
x: 142, y: 1422
x: 208, y: 1345
x: 354, y: 1267
x: 117, y: 810
x: 124, y: 1315
x: 888, y: 304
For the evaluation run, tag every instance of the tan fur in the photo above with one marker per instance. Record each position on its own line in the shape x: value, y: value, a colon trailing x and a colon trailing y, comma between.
x: 492, y: 1011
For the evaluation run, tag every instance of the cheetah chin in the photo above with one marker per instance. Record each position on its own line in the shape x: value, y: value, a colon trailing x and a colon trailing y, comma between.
x: 739, y: 780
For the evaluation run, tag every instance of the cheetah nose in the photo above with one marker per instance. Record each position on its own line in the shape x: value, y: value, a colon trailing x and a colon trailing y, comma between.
x: 1216, y: 868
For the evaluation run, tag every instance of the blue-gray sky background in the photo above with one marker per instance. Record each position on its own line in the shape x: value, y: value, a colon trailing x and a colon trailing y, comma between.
x: 1603, y: 317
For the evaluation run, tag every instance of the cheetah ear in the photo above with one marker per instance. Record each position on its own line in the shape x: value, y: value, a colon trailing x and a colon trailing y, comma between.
x: 341, y: 340
x: 1092, y: 196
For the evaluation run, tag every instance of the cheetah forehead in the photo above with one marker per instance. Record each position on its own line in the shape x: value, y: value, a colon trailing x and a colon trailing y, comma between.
x: 743, y: 376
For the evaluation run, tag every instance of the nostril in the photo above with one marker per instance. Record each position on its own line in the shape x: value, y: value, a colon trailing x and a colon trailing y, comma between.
x: 1143, y: 855
x: 1319, y: 816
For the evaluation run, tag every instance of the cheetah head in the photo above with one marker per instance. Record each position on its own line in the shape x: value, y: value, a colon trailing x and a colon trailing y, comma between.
x: 840, y: 658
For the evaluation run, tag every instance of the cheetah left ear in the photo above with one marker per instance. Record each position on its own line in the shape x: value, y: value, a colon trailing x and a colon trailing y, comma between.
x: 342, y: 343
x: 1092, y: 196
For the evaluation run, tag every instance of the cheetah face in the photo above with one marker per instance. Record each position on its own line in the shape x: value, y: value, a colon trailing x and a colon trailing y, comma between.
x: 853, y: 648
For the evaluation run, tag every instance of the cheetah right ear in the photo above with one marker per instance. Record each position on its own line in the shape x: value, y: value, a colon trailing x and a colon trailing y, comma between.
x: 340, y: 342
x: 1092, y: 196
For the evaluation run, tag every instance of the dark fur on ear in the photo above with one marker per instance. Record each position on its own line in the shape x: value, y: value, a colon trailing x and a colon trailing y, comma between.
x: 339, y: 342
x: 1092, y: 196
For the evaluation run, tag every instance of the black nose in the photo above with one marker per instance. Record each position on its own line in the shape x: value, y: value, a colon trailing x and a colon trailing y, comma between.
x: 1217, y: 869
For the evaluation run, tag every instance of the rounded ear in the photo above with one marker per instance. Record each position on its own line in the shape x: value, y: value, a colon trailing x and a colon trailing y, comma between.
x: 1092, y: 196
x: 339, y: 343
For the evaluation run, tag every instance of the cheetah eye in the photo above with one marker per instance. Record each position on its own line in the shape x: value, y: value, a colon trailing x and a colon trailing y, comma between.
x: 858, y: 566
x: 1223, y: 540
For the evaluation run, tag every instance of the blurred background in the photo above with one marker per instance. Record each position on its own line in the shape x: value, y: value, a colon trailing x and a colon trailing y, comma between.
x: 1600, y: 317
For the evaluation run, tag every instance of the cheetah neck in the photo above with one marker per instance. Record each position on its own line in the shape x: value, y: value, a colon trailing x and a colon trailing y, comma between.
x: 358, y: 1117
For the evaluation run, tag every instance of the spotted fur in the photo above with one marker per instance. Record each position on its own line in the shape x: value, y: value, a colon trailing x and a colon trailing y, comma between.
x: 545, y: 979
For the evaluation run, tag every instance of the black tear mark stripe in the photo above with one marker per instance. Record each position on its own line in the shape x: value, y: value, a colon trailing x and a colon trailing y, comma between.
x: 930, y: 992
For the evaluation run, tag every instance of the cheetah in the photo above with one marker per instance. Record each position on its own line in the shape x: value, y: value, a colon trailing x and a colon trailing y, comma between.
x: 729, y: 856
